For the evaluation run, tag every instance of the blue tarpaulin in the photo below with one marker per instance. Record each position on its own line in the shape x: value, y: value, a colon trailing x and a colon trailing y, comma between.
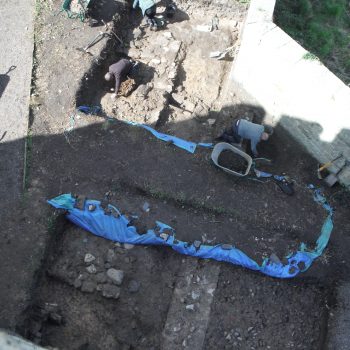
x: 111, y: 224
x: 181, y: 143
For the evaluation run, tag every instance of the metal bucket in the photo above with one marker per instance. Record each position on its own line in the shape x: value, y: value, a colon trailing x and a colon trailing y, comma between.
x: 223, y: 146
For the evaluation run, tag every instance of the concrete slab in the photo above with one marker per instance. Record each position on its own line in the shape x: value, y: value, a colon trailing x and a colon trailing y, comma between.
x: 13, y: 342
x: 16, y: 43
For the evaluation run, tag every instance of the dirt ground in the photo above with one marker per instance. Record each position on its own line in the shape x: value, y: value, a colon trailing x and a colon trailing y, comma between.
x: 75, y: 304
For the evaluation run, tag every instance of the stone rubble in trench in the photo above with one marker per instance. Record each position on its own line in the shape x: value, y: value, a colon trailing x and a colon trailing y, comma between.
x: 183, y: 81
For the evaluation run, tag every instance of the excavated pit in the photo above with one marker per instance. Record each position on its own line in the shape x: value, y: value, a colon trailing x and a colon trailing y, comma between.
x: 176, y: 79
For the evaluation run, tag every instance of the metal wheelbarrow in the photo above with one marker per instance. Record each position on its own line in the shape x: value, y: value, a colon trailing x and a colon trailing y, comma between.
x: 223, y: 146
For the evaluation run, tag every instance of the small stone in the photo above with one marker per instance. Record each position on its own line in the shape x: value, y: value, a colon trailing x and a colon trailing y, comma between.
x: 137, y: 33
x: 250, y: 329
x: 128, y: 246
x: 101, y: 277
x: 178, y: 98
x: 143, y: 90
x: 108, y: 265
x: 146, y: 207
x: 89, y: 258
x: 55, y: 318
x: 228, y: 337
x: 77, y: 283
x: 190, y: 307
x: 237, y: 334
x: 155, y: 61
x: 168, y: 35
x: 116, y: 276
x: 133, y: 324
x: 177, y: 327
x: 164, y: 236
x: 91, y: 207
x: 110, y: 256
x: 211, y: 121
x: 189, y: 106
x: 195, y: 295
x: 133, y: 286
x: 91, y: 269
x: 88, y: 287
x: 172, y: 74
x: 110, y: 291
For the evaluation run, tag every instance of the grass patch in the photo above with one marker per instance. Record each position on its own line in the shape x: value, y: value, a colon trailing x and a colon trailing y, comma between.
x: 310, y: 56
x: 322, y: 27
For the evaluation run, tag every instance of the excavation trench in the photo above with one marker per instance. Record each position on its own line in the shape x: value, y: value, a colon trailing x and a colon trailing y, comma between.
x: 178, y: 90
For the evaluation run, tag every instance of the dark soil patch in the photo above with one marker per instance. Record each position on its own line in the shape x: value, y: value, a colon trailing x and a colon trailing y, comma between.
x: 259, y: 313
x: 232, y: 161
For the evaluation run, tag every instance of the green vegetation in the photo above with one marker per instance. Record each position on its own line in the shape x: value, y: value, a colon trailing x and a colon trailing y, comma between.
x: 322, y: 27
x: 310, y: 56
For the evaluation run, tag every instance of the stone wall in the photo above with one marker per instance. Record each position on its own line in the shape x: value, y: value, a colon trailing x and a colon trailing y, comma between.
x: 301, y: 95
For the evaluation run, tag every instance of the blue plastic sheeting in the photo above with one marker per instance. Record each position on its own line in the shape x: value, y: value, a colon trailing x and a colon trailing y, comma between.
x: 186, y: 145
x: 115, y: 226
x: 89, y: 109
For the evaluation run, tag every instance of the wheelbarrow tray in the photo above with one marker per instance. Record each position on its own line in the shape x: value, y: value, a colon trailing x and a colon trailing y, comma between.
x: 223, y: 146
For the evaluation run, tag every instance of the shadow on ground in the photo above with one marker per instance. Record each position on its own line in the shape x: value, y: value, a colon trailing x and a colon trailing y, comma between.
x: 129, y: 167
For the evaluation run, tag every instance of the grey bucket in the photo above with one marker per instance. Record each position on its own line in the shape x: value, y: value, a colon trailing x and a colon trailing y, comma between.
x: 223, y: 146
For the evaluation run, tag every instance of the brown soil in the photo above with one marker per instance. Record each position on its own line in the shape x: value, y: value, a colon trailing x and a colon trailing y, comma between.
x: 232, y: 161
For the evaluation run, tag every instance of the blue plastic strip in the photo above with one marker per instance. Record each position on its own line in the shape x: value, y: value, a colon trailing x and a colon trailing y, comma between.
x: 116, y: 228
x: 186, y: 145
x: 89, y: 109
